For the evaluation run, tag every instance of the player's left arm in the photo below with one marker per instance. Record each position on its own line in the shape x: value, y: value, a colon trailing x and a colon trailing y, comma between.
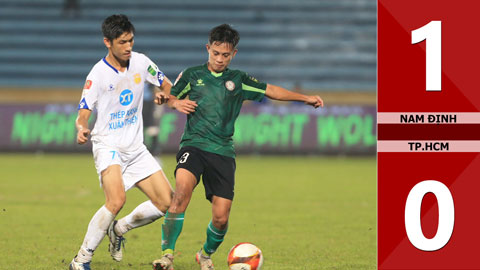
x: 157, y: 78
x: 280, y: 93
x: 162, y: 93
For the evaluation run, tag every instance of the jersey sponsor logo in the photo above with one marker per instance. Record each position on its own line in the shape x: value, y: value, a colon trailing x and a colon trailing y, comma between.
x: 152, y: 70
x: 230, y: 85
x: 137, y: 78
x: 87, y: 85
x: 178, y: 78
x: 200, y: 82
x: 126, y: 97
x: 83, y: 105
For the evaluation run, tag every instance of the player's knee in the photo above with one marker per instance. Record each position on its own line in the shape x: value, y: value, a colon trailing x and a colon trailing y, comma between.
x: 179, y: 202
x: 163, y: 204
x: 167, y: 202
x: 220, y: 222
x: 115, y: 204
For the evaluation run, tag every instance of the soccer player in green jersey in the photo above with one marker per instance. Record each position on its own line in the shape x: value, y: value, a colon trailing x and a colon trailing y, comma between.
x: 212, y: 96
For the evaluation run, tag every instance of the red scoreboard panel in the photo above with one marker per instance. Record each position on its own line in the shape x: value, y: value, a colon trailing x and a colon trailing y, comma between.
x: 428, y: 134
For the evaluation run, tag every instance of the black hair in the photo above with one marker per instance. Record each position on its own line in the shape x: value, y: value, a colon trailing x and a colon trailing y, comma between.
x: 224, y: 33
x: 115, y: 25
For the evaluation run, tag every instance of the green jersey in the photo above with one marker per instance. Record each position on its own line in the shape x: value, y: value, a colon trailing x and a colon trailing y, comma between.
x: 219, y: 97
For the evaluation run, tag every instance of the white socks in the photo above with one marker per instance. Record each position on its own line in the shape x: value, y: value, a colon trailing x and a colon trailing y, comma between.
x: 144, y: 214
x: 97, y: 229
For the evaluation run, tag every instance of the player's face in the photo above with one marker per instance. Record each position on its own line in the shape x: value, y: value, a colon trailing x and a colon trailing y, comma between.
x: 220, y: 55
x: 121, y: 47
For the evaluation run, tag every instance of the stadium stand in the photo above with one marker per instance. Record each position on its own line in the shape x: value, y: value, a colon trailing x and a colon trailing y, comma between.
x: 302, y: 44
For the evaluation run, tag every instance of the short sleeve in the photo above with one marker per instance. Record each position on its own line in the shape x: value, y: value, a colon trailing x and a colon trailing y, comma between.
x: 181, y: 86
x: 252, y: 89
x: 153, y: 74
x: 90, y: 93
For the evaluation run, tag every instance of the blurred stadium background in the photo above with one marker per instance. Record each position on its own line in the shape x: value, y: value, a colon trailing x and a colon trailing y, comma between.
x: 47, y: 47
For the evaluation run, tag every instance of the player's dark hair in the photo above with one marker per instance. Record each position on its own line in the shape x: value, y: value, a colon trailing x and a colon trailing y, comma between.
x: 224, y: 33
x: 115, y: 25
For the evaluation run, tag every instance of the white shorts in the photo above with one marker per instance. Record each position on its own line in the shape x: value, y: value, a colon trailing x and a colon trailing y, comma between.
x: 135, y: 165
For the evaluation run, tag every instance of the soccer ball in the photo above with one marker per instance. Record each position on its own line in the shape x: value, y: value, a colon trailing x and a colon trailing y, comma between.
x: 245, y: 256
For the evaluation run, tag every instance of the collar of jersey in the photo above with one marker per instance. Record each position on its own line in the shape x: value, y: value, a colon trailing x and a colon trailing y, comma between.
x: 214, y: 74
x: 114, y: 69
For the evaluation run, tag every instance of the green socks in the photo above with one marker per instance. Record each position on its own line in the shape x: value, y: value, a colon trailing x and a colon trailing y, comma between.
x: 171, y: 229
x: 214, y: 239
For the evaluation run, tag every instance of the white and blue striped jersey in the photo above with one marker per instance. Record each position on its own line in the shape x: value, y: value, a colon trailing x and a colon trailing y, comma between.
x: 118, y: 98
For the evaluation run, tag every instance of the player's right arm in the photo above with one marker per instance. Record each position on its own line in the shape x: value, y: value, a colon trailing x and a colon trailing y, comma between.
x: 82, y: 125
x: 185, y: 106
x: 85, y: 107
x: 178, y: 94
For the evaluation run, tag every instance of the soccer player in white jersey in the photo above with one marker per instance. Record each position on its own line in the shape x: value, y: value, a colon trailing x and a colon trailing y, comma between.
x: 114, y: 87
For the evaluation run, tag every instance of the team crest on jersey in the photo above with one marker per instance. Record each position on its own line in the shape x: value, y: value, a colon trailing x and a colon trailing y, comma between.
x: 87, y: 85
x: 230, y: 85
x: 136, y: 78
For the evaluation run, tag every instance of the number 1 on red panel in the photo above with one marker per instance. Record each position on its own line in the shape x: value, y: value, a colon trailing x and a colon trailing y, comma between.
x: 432, y: 33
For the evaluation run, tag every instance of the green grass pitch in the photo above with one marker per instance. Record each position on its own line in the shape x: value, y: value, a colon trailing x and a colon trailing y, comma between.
x: 303, y: 212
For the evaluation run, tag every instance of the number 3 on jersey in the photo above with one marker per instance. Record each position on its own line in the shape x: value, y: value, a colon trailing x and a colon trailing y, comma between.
x: 184, y: 157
